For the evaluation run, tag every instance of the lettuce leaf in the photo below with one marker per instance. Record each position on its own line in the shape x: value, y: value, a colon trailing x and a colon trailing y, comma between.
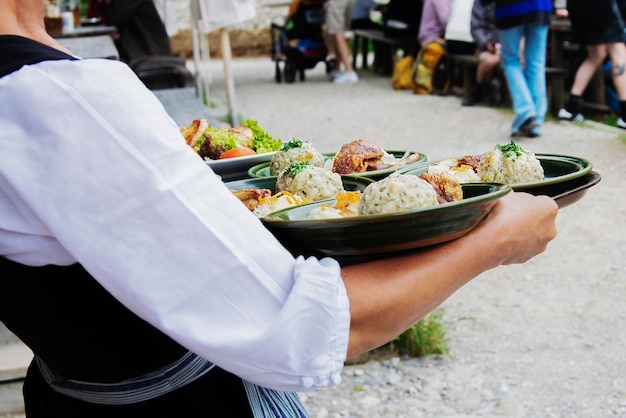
x: 263, y: 142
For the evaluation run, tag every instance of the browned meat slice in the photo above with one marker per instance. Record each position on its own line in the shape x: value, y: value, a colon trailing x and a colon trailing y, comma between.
x: 356, y: 156
x: 194, y: 131
x: 446, y: 186
x: 471, y: 160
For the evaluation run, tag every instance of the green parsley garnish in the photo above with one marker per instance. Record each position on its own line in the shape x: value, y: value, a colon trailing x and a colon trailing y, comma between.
x: 294, y: 143
x: 295, y: 168
x: 511, y: 150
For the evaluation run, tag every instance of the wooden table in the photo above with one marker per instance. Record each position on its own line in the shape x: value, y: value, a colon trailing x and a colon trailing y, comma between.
x: 98, y: 46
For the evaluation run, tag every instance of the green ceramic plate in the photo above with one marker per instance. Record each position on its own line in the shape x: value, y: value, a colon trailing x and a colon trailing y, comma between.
x: 263, y: 169
x: 568, y: 192
x: 566, y: 178
x: 366, y: 237
x: 237, y: 168
x: 349, y: 184
x: 557, y: 169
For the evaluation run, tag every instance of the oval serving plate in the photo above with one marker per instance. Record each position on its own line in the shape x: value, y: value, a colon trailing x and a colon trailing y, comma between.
x: 572, y: 191
x: 263, y: 169
x: 559, y: 170
x: 366, y: 237
x: 237, y: 168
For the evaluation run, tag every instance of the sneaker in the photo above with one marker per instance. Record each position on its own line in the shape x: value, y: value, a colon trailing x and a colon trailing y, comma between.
x: 346, y: 78
x: 570, y: 117
x: 495, y: 91
x: 621, y: 124
x: 475, y: 96
x: 531, y: 135
x: 528, y: 126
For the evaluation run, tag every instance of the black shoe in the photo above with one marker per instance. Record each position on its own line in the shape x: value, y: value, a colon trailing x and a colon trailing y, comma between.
x: 495, y: 91
x: 475, y: 96
x: 468, y: 101
x: 527, y: 127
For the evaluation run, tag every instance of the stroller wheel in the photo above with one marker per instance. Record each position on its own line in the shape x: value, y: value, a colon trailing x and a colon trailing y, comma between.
x: 302, y: 75
x: 290, y: 71
x: 277, y: 75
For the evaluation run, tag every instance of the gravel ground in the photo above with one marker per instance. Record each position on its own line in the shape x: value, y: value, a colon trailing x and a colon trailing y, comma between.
x: 543, y: 339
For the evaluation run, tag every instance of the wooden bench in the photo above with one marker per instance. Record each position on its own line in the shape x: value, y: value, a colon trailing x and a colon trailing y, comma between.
x: 361, y: 40
x: 554, y: 80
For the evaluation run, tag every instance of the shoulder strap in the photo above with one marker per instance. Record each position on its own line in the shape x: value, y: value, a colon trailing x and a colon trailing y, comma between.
x: 17, y: 51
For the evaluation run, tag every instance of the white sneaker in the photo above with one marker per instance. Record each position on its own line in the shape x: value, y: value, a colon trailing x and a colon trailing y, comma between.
x: 571, y: 117
x: 346, y: 78
x: 621, y: 123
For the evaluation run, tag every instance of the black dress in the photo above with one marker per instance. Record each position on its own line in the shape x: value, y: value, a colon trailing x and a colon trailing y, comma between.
x: 597, y: 22
x: 83, y: 333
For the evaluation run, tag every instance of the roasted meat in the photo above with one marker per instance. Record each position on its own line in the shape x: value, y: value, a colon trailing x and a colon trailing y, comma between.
x: 252, y: 197
x: 194, y: 131
x: 359, y: 156
x: 471, y: 160
x: 447, y: 187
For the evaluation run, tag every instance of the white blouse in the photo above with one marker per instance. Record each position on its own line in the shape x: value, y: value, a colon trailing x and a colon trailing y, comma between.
x: 93, y: 170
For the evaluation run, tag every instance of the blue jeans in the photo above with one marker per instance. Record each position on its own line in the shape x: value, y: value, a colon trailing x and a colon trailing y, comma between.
x: 527, y: 84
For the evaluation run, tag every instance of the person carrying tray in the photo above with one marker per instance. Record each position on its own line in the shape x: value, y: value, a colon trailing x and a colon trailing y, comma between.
x: 144, y: 287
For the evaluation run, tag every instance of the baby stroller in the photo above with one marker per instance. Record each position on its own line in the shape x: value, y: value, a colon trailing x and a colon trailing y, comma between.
x: 298, y: 42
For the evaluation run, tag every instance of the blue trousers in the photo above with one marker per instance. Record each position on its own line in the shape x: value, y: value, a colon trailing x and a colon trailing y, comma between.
x: 527, y: 81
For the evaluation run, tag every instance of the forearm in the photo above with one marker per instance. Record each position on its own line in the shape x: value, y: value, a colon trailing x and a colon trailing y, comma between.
x: 406, y: 288
x: 388, y: 296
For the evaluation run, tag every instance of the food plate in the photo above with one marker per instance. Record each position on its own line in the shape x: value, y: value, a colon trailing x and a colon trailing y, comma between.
x: 566, y: 178
x: 366, y: 237
x: 556, y: 169
x: 263, y: 170
x: 349, y: 184
x: 236, y: 168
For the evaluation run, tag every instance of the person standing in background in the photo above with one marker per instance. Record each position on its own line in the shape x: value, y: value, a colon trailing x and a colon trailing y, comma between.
x: 528, y: 20
x: 338, y: 20
x: 435, y: 16
x: 600, y: 27
x: 488, y: 47
x: 361, y: 15
x: 362, y: 19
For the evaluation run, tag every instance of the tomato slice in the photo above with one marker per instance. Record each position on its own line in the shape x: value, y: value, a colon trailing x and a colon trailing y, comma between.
x: 237, y: 152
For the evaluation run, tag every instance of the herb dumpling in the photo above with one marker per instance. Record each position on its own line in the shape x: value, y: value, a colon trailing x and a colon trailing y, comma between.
x: 397, y: 192
x: 295, y: 151
x: 509, y: 164
x: 309, y: 182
